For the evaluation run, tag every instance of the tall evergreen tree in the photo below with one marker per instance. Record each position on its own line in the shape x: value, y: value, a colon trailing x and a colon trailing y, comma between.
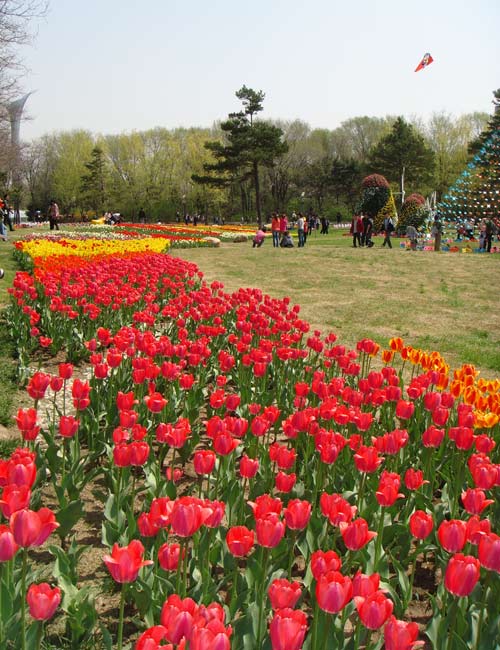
x: 402, y: 155
x: 93, y: 184
x: 476, y: 193
x: 249, y: 144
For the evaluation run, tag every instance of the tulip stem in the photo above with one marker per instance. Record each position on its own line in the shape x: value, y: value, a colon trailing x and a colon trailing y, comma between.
x: 234, y: 588
x: 185, y: 567
x: 452, y: 615
x: 292, y: 554
x: 316, y: 615
x: 260, y: 632
x: 39, y: 635
x: 172, y: 466
x: 329, y: 619
x: 119, y: 641
x: 481, y: 611
x: 23, y: 600
x: 378, y: 543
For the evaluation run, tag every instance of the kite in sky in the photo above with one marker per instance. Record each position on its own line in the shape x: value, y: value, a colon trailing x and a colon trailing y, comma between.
x: 426, y: 60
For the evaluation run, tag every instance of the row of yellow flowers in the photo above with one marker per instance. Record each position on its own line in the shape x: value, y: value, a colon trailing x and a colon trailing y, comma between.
x: 43, y: 250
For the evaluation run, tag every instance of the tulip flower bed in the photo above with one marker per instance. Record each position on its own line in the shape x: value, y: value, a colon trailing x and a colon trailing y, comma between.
x: 181, y: 236
x: 261, y: 486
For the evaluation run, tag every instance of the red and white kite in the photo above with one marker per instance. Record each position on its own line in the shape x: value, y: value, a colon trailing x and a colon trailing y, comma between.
x: 426, y: 60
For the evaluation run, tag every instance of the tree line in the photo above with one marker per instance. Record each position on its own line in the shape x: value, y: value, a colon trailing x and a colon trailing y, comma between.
x: 244, y: 166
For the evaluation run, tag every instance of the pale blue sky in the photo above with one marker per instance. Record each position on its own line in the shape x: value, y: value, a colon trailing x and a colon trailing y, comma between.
x: 121, y: 65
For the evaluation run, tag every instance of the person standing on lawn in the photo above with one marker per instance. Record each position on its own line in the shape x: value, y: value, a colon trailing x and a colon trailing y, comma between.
x: 53, y: 215
x: 388, y: 230
x: 300, y: 230
x: 275, y: 229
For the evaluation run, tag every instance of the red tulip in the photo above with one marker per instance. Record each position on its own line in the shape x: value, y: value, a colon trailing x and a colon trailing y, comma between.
x: 125, y: 401
x: 155, y: 402
x: 161, y: 511
x: 121, y: 455
x: 26, y: 419
x: 285, y: 482
x: 356, y: 534
x: 248, y: 466
x: 414, y: 479
x: 440, y: 416
x: 476, y: 528
x: 432, y: 401
x: 365, y: 585
x: 14, y: 497
x: 269, y: 530
x: 333, y: 591
x: 282, y: 455
x: 139, y: 453
x: 213, y: 636
x: 146, y: 525
x: 68, y: 426
x: 367, y: 459
x: 32, y: 528
x: 188, y: 515
x: 125, y: 562
x: 324, y: 561
x: 21, y: 468
x: 400, y: 635
x: 297, y: 514
x: 240, y: 540
x: 217, y: 510
x: 374, y: 610
x: 432, y: 437
x: 37, y: 385
x: 463, y: 437
x: 43, y: 601
x: 484, y: 444
x: 489, y: 551
x: 169, y: 555
x: 204, y: 461
x: 178, y: 617
x: 336, y: 508
x: 404, y: 409
x: 288, y: 629
x: 8, y: 546
x: 80, y: 391
x: 283, y: 593
x: 462, y: 574
x: 387, y: 492
x: 452, y: 535
x: 232, y: 402
x: 224, y: 443
x: 421, y: 524
x: 265, y: 504
x: 259, y: 426
x: 151, y: 639
x: 65, y: 370
x: 475, y: 501
x: 186, y: 381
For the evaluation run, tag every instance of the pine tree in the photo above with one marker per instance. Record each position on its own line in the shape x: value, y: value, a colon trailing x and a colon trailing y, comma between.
x: 476, y: 193
x: 93, y: 184
x: 249, y: 145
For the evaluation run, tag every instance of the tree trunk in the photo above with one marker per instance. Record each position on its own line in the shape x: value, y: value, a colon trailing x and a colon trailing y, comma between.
x: 257, y: 192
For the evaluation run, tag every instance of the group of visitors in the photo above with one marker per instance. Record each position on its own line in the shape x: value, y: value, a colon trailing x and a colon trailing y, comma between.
x: 362, y: 231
